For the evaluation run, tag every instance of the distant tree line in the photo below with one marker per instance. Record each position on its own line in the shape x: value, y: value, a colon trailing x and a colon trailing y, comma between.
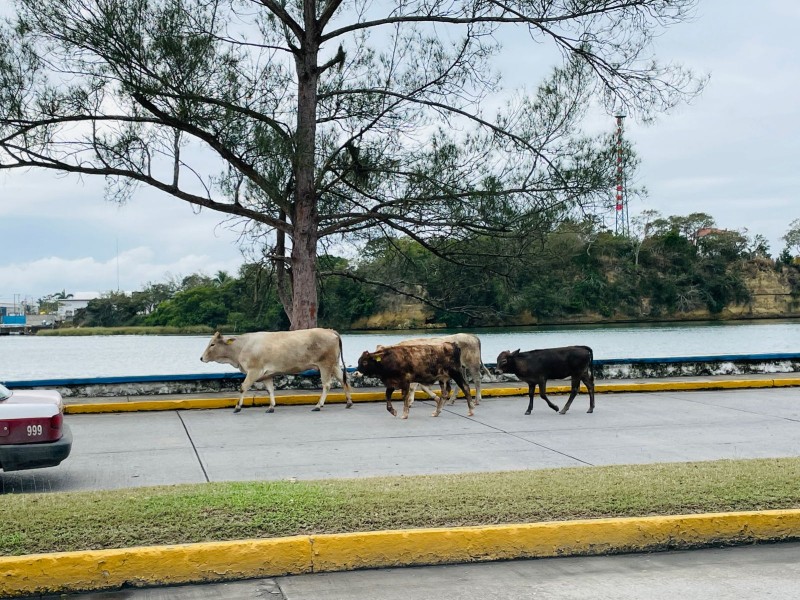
x: 664, y: 267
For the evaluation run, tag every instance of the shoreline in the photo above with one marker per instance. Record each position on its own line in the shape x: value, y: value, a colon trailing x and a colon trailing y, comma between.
x: 428, y: 327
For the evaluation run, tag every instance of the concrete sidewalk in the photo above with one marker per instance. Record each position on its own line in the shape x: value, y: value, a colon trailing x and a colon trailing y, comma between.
x: 285, y: 397
x: 744, y: 424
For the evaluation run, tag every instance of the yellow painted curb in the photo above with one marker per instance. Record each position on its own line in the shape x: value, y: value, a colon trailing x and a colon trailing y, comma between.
x: 153, y: 565
x: 339, y: 397
x: 785, y: 382
x: 211, y: 403
x: 169, y: 565
x: 540, y: 540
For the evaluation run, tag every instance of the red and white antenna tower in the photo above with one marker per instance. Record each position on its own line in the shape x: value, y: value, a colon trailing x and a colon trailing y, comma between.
x: 622, y: 224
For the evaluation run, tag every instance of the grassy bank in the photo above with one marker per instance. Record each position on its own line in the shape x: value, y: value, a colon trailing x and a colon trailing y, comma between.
x: 72, y: 331
x: 55, y: 522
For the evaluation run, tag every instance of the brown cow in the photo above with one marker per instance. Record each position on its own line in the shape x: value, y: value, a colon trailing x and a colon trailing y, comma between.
x: 400, y: 366
x: 471, y: 362
x: 263, y: 354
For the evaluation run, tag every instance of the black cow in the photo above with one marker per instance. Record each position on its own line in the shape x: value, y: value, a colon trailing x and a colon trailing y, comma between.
x: 535, y: 367
x: 400, y: 366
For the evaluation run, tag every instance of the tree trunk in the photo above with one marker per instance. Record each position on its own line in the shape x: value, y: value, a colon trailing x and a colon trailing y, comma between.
x: 305, y: 220
x: 282, y: 273
x: 304, y: 267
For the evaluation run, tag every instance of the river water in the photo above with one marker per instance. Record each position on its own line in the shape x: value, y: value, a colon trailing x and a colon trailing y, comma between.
x: 39, y: 357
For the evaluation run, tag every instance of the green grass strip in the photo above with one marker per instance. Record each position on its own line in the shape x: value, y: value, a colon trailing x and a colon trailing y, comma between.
x: 67, y: 521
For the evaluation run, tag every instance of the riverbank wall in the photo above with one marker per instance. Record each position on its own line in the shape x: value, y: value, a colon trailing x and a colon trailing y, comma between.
x: 608, y: 369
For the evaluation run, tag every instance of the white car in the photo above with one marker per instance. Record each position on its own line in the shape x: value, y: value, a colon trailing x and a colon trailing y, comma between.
x: 32, y: 429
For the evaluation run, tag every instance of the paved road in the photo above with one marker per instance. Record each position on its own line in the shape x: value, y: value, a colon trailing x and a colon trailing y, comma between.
x: 768, y: 571
x: 138, y: 449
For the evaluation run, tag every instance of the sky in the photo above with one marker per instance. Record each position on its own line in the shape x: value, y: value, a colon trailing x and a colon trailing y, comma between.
x: 732, y: 153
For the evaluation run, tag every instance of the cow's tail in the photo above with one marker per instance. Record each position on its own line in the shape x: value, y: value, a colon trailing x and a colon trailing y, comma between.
x: 484, y: 370
x: 457, y: 353
x: 591, y: 361
x: 341, y: 357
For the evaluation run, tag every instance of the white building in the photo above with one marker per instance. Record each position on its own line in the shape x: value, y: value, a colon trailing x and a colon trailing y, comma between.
x: 68, y: 306
x: 9, y: 308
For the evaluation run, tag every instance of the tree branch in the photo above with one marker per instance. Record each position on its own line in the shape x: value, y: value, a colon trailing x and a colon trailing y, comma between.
x: 213, y: 141
x: 41, y: 161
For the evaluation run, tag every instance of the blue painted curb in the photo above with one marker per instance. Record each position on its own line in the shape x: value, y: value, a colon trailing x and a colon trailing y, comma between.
x: 683, y: 359
x: 312, y: 372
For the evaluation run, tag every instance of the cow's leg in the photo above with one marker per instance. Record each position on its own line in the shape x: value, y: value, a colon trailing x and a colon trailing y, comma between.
x: 441, y: 398
x: 476, y: 375
x: 271, y: 389
x: 412, y: 389
x: 451, y: 393
x: 389, y: 407
x: 439, y: 405
x: 325, y: 377
x: 321, y: 402
x: 346, y: 386
x: 341, y: 377
x: 406, y: 401
x: 543, y: 394
x: 250, y: 378
x: 462, y: 383
x: 431, y: 394
x: 588, y: 379
x: 531, y: 394
x: 445, y: 392
x: 576, y: 384
x: 415, y: 386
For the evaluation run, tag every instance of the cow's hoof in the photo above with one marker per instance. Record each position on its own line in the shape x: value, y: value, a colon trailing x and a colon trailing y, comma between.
x: 393, y: 413
x: 270, y: 410
x: 315, y: 409
x: 435, y: 414
x: 349, y: 405
x: 404, y: 417
x: 591, y: 410
x: 527, y: 412
x: 562, y: 412
x: 470, y: 414
x: 236, y: 410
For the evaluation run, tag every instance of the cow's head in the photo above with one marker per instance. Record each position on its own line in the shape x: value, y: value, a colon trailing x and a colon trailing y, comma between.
x: 218, y: 347
x: 504, y: 361
x: 369, y: 362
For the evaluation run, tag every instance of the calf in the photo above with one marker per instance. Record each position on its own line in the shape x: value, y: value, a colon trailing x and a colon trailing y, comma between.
x: 471, y: 363
x: 535, y: 367
x: 400, y: 366
x: 264, y: 354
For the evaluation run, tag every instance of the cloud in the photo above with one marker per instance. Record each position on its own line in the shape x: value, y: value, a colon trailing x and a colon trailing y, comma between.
x: 131, y: 271
x: 59, y: 233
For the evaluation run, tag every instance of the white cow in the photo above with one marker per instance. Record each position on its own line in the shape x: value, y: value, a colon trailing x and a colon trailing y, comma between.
x: 471, y: 362
x: 263, y: 354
